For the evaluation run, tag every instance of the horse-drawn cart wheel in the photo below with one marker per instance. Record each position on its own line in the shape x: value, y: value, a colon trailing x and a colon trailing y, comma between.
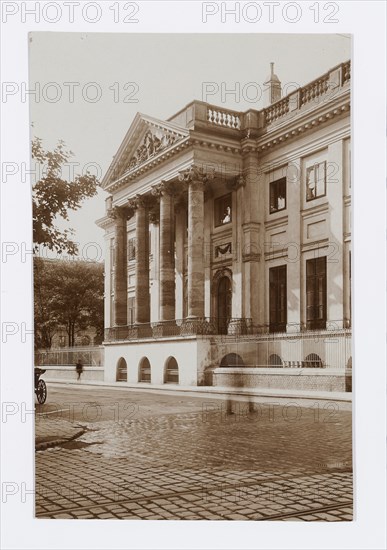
x: 41, y: 392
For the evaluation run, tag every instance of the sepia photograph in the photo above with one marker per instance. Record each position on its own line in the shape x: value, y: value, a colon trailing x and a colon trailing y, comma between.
x: 193, y: 269
x: 193, y: 356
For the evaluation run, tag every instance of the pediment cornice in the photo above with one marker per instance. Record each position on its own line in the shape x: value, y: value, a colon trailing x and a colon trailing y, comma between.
x: 146, y: 143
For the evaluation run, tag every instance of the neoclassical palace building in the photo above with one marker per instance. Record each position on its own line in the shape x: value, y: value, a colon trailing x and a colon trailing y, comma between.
x: 228, y: 240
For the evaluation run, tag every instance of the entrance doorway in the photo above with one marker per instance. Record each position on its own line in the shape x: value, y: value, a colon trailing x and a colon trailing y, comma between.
x: 223, y: 304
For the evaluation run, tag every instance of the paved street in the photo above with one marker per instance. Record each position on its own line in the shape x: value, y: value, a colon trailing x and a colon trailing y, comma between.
x: 146, y: 455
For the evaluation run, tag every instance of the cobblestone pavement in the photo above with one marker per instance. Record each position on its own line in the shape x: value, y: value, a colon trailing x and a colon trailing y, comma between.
x: 277, y: 463
x: 60, y: 431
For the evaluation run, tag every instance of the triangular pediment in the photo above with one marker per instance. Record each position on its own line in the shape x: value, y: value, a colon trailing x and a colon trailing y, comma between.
x: 146, y: 139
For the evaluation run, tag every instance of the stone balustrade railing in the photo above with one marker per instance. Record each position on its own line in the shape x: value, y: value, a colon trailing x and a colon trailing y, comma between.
x: 322, y: 89
x: 277, y: 110
x: 314, y: 90
x: 226, y: 118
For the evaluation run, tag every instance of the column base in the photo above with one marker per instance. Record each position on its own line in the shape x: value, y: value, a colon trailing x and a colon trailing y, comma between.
x: 140, y: 330
x: 197, y: 326
x: 238, y: 327
x: 165, y: 328
x: 119, y: 332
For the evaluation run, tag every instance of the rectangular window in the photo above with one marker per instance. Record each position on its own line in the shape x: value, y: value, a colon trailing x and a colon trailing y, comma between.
x: 316, y: 181
x: 278, y: 299
x: 222, y: 210
x: 277, y: 195
x: 131, y: 249
x: 316, y: 293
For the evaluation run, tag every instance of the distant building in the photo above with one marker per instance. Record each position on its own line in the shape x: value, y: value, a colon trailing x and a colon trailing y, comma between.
x: 83, y: 338
x: 229, y: 243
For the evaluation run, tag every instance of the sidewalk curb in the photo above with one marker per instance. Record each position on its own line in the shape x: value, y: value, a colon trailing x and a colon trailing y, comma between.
x: 56, y: 442
x: 207, y: 391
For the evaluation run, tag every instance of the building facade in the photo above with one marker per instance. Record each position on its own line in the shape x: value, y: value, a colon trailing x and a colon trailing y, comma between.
x: 228, y: 238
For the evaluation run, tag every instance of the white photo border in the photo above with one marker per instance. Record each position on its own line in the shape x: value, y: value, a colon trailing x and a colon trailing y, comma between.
x: 365, y: 21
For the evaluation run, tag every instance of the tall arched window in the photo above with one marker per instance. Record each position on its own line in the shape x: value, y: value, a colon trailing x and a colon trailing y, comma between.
x: 122, y: 371
x: 144, y: 370
x: 171, y: 371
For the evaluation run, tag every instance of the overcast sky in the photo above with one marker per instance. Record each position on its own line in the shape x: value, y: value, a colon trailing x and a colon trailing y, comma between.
x: 168, y: 71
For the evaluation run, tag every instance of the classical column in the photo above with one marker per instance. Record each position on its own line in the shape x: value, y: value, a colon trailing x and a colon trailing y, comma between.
x: 167, y: 251
x: 196, y: 180
x: 142, y: 299
x: 120, y: 216
x: 181, y: 232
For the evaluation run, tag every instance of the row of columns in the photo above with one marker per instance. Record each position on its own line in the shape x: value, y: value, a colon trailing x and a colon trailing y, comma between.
x: 139, y: 207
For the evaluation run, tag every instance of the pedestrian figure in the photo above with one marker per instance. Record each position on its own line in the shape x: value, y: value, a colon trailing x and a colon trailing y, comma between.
x: 79, y: 369
x: 238, y: 383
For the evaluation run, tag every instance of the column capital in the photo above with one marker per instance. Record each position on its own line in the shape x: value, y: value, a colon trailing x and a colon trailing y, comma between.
x: 120, y: 212
x: 163, y: 188
x: 196, y: 174
x: 139, y: 202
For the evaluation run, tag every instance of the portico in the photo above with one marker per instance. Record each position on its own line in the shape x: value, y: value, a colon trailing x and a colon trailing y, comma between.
x: 157, y: 207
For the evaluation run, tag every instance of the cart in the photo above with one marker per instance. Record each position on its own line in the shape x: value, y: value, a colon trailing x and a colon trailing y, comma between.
x: 40, y: 386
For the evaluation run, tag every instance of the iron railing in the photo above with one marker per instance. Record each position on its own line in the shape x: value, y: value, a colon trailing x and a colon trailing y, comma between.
x: 92, y: 356
x: 207, y: 326
x: 180, y: 327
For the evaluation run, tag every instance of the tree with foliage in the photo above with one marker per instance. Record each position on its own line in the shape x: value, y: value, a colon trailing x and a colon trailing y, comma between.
x: 53, y: 196
x: 45, y: 317
x: 68, y: 294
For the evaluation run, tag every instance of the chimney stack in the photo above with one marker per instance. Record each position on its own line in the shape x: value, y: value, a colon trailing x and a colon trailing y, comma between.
x: 272, y: 87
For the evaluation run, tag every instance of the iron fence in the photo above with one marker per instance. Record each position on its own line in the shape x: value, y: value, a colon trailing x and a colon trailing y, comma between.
x: 227, y: 328
x: 92, y: 356
x: 180, y: 327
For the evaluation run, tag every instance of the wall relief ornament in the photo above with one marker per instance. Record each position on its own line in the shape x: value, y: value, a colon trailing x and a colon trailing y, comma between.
x: 220, y: 250
x: 152, y: 144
